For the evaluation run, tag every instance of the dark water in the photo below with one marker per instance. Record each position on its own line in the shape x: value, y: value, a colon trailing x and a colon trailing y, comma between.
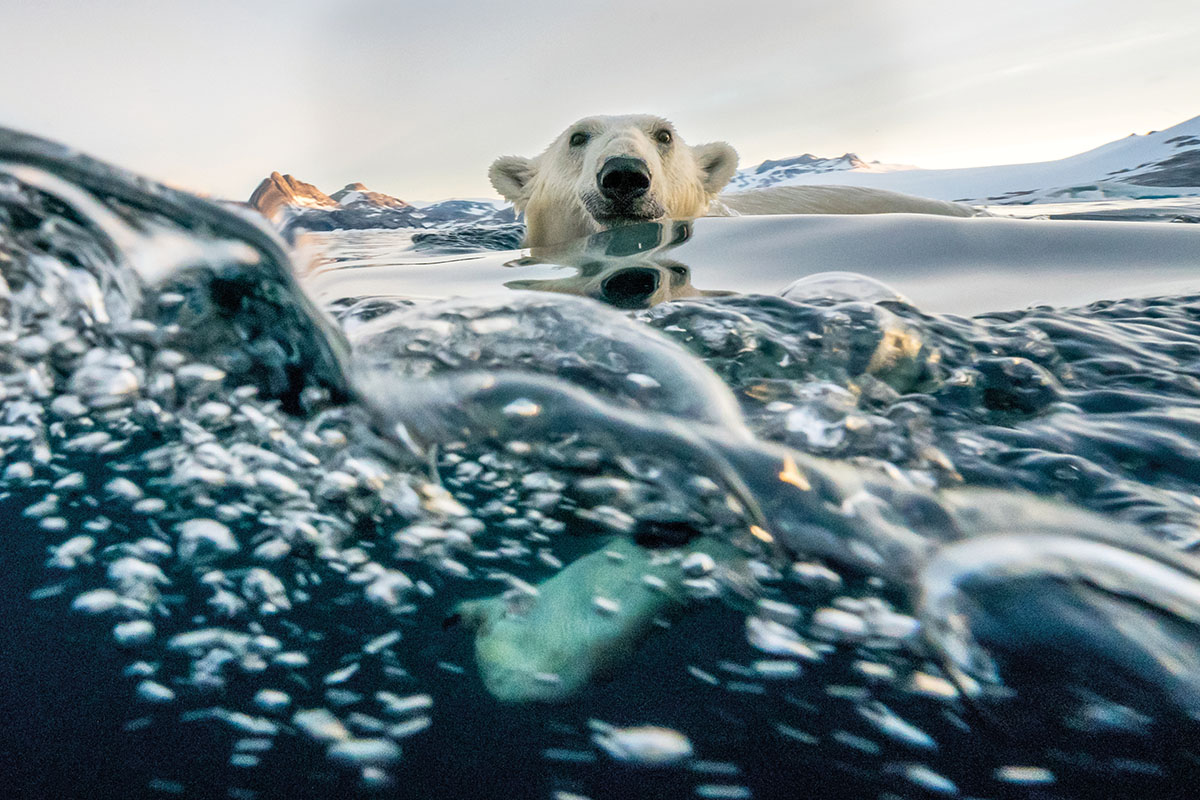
x: 827, y: 545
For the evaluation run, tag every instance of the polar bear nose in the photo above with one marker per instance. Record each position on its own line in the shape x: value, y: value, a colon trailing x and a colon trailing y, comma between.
x: 623, y: 178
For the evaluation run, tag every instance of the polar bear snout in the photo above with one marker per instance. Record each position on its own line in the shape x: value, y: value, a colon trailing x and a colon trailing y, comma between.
x: 622, y: 192
x: 623, y: 179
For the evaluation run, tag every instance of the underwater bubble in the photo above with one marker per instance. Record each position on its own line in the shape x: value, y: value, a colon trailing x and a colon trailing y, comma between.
x: 696, y: 565
x: 140, y: 669
x: 364, y: 752
x: 409, y: 727
x: 213, y: 413
x: 150, y: 506
x: 883, y: 623
x: 203, y: 539
x: 272, y: 700
x: 245, y: 723
x: 137, y: 578
x: 397, y: 706
x: 778, y: 639
x: 148, y: 548
x: 860, y: 743
x: 264, y: 587
x: 895, y: 727
x: 922, y: 683
x: 342, y: 698
x: 320, y: 724
x: 606, y: 606
x: 206, y: 639
x: 43, y: 508
x: 253, y: 745
x: 165, y: 786
x: 154, y: 692
x: 362, y: 723
x: 278, y: 485
x: 98, y: 524
x: 647, y: 745
x: 1024, y: 776
x: 778, y: 611
x: 76, y: 550
x: 196, y: 376
x: 72, y: 480
x: 96, y: 601
x: 134, y: 633
x: 723, y: 791
x: 836, y: 624
x: 336, y: 485
x: 18, y: 472
x: 106, y: 383
x: 522, y: 407
x: 341, y: 675
x: 272, y: 550
x: 67, y: 406
x: 95, y: 442
x: 776, y: 669
x: 926, y: 778
x: 124, y: 488
x: 389, y: 588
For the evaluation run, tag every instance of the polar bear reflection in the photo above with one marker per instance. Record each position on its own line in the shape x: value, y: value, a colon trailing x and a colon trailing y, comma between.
x: 627, y: 267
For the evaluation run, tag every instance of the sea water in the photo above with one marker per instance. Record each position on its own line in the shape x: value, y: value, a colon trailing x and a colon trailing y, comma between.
x: 818, y: 538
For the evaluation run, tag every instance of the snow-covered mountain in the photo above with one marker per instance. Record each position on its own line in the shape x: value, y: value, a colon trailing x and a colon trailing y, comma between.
x: 795, y: 170
x: 1158, y: 164
x: 295, y: 205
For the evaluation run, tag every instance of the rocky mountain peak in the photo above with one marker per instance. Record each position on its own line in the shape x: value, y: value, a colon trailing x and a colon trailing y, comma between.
x: 277, y: 192
x: 357, y: 193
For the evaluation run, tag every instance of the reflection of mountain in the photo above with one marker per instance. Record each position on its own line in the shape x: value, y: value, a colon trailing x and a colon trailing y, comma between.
x: 295, y: 205
x: 1158, y: 164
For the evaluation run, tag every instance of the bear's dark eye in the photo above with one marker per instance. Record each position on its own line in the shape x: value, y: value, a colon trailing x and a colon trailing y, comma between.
x: 579, y: 138
x: 663, y: 136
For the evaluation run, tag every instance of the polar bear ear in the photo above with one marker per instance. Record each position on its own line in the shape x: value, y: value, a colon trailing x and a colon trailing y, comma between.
x: 511, y: 176
x: 717, y: 162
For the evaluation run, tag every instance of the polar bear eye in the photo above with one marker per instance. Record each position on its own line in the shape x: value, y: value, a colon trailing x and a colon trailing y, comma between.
x: 663, y: 136
x: 578, y: 138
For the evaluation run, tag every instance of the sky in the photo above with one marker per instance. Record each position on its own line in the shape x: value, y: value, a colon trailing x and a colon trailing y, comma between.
x: 417, y: 98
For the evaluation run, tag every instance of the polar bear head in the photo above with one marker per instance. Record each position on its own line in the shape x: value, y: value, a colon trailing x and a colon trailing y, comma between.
x: 607, y: 171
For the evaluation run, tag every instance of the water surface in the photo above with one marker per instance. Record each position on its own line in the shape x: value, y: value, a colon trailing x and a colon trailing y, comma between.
x: 751, y: 530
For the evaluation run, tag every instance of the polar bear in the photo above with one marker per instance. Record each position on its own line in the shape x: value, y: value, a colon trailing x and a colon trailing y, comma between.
x: 608, y: 171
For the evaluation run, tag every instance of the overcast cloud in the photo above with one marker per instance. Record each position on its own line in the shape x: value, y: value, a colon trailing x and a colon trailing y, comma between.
x: 416, y: 99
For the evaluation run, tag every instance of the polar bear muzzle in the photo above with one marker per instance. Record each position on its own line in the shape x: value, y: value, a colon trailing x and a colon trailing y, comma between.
x: 623, y: 179
x: 623, y: 192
